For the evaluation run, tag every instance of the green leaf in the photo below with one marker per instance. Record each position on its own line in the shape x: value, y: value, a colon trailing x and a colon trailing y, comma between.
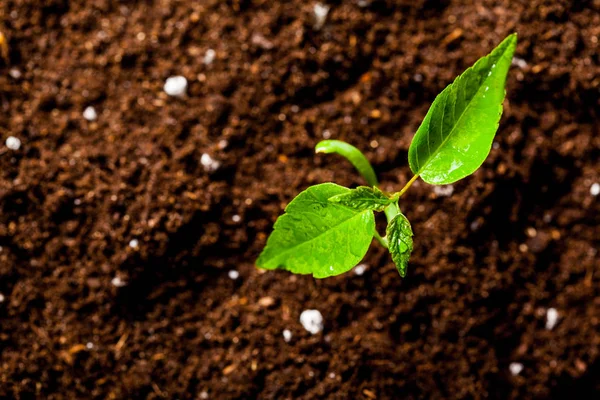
x: 457, y: 133
x: 400, y: 242
x: 363, y: 198
x: 318, y: 237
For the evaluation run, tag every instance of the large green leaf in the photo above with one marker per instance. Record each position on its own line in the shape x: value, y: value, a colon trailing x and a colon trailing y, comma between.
x: 457, y: 133
x: 363, y: 198
x: 400, y: 242
x: 318, y: 237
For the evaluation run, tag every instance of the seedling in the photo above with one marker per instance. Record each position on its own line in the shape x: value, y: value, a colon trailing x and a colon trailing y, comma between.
x: 327, y: 229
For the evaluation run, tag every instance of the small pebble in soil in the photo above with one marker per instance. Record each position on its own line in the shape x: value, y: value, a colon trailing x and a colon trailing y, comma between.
x: 176, y: 86
x: 443, y: 191
x: 515, y: 368
x: 595, y: 189
x: 13, y: 143
x: 89, y: 345
x: 363, y: 3
x: 519, y: 62
x: 287, y: 335
x: 203, y: 395
x: 2, y: 298
x: 236, y: 218
x: 118, y: 282
x: 360, y: 269
x: 551, y: 318
x: 418, y: 77
x: 14, y: 73
x: 90, y: 114
x: 332, y: 375
x: 209, y: 56
x: 233, y: 274
x: 134, y: 243
x: 320, y: 11
x: 326, y: 134
x: 312, y: 321
x: 209, y: 163
x: 495, y: 145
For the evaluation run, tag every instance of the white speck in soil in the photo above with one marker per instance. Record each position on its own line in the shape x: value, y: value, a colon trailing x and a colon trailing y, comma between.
x: 320, y: 11
x: 2, y: 298
x: 14, y: 73
x: 287, y: 335
x: 77, y: 202
x: 363, y: 3
x: 209, y: 56
x: 495, y: 145
x: 551, y: 318
x: 118, y: 282
x: 209, y: 164
x: 519, y: 62
x: 13, y: 143
x: 326, y: 134
x: 176, y: 86
x: 134, y: 243
x: 311, y: 373
x: 595, y: 189
x: 443, y: 191
x: 233, y: 274
x: 515, y: 368
x: 418, y: 78
x: 203, y: 395
x: 312, y: 321
x: 90, y: 114
x: 332, y: 375
x: 236, y: 218
x: 360, y: 269
x: 222, y: 145
x: 89, y: 345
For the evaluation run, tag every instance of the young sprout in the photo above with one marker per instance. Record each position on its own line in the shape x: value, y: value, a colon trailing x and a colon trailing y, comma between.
x: 327, y: 229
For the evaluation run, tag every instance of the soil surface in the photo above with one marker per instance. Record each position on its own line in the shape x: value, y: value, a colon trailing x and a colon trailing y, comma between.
x: 116, y: 243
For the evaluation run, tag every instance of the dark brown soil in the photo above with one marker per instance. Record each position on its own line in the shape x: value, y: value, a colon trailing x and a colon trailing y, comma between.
x: 518, y: 237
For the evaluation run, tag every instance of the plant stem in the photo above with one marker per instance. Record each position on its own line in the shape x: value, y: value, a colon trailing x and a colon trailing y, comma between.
x: 352, y: 154
x: 405, y: 188
x: 382, y: 240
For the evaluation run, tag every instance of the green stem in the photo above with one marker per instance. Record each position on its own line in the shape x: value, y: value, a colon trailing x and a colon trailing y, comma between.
x: 382, y: 240
x: 352, y: 154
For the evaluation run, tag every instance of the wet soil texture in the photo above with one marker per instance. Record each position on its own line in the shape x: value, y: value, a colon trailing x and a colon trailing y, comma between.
x: 118, y: 238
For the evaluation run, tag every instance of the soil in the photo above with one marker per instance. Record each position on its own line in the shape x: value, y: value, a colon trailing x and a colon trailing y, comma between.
x: 86, y: 313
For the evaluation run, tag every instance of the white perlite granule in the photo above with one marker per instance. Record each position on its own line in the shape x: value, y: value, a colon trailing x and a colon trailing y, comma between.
x: 209, y: 164
x: 312, y: 321
x: 209, y: 56
x: 320, y: 11
x: 515, y: 368
x: 13, y: 143
x: 287, y: 335
x: 360, y: 269
x: 118, y: 282
x: 176, y: 86
x: 233, y: 274
x: 443, y: 191
x: 551, y: 318
x: 595, y: 189
x: 90, y: 114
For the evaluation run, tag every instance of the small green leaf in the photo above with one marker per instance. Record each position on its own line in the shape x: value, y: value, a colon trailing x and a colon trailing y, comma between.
x: 456, y: 135
x: 363, y: 198
x: 400, y: 242
x: 318, y: 237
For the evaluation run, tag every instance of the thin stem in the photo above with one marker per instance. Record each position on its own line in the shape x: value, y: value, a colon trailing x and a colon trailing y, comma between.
x: 382, y: 240
x: 352, y: 154
x: 405, y: 188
